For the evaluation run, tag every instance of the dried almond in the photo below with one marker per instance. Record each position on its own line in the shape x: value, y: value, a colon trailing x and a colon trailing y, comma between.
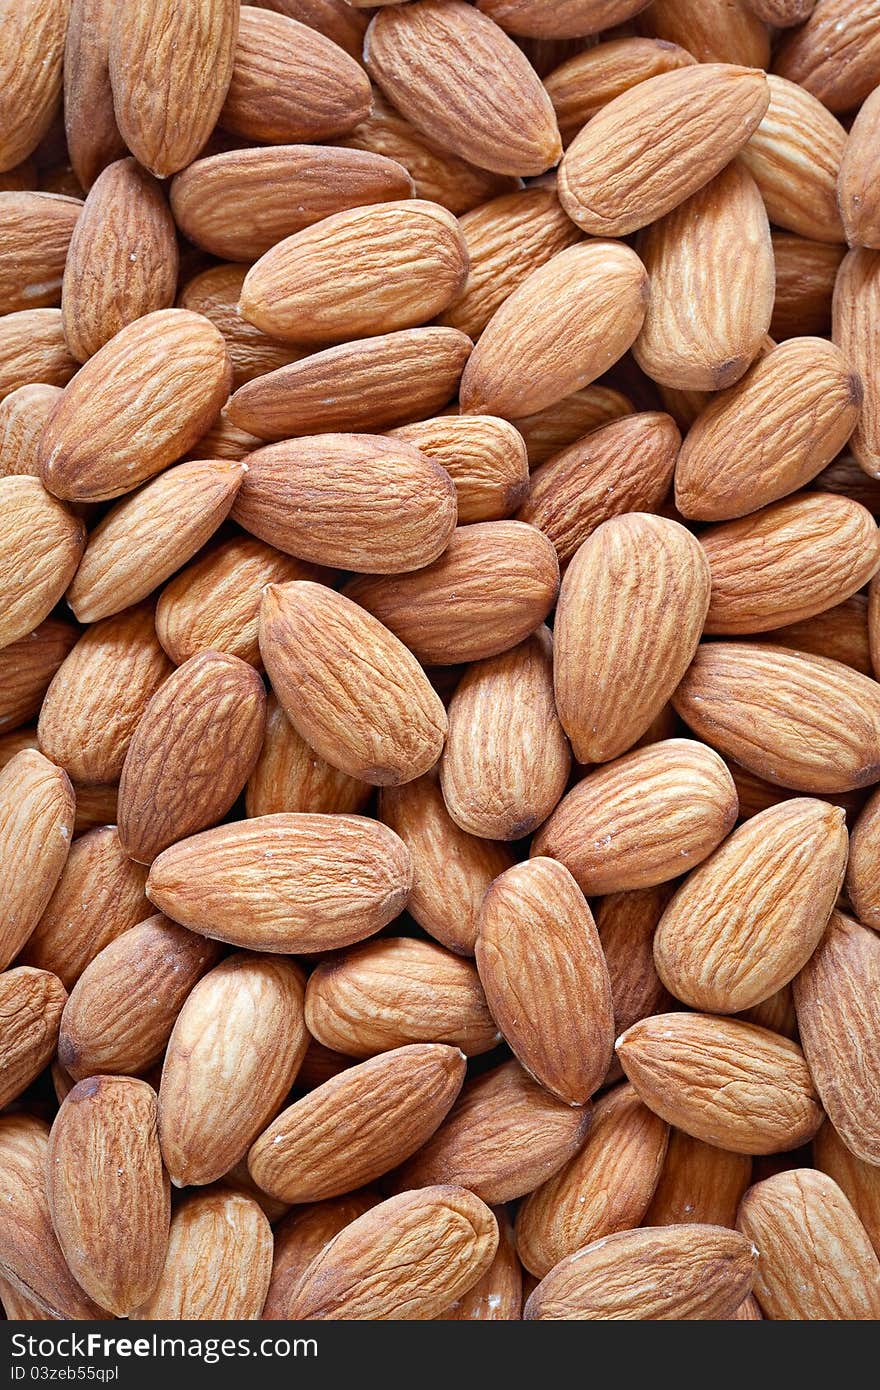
x: 215, y: 293
x: 835, y: 55
x: 585, y: 83
x: 730, y: 33
x: 223, y: 440
x: 484, y: 455
x: 23, y: 414
x: 35, y: 232
x: 699, y: 1182
x: 41, y: 545
x: 626, y: 923
x: 93, y: 139
x: 854, y: 317
x: 497, y: 1294
x: 27, y: 667
x: 566, y: 19
x: 862, y: 878
x: 32, y: 349
x: 31, y: 1003
x: 36, y: 824
x: 335, y: 19
x: 301, y: 1236
x: 839, y: 633
x: 781, y: 13
x: 859, y: 175
x: 289, y: 775
x: 30, y: 75
x: 805, y: 275
x: 859, y: 1181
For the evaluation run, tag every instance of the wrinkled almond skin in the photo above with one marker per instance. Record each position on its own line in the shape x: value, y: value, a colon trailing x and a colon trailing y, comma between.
x: 231, y: 1059
x: 557, y: 426
x: 643, y: 819
x: 745, y: 922
x: 698, y: 1182
x: 668, y: 1274
x: 839, y: 633
x: 32, y: 349
x: 334, y: 880
x: 42, y: 543
x: 27, y: 667
x: 289, y: 775
x: 835, y: 55
x: 629, y: 619
x: 863, y: 874
x: 497, y: 1294
x: 859, y: 176
x: 728, y: 1083
x: 461, y: 81
x: 215, y: 293
x: 301, y: 1236
x: 805, y: 275
x: 31, y: 1003
x: 23, y: 414
x: 816, y: 1260
x: 854, y: 319
x: 586, y: 82
x: 859, y: 1181
x: 407, y: 1258
x: 729, y: 34
x: 93, y: 139
x: 846, y: 478
x: 36, y: 825
x: 108, y: 1192
x: 485, y: 457
x: 567, y: 19
x: 30, y: 75
x: 604, y: 1188
x: 626, y: 923
x: 35, y: 232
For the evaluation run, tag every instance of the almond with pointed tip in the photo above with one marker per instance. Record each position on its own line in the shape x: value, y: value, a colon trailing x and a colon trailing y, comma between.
x: 31, y: 1003
x: 36, y: 824
x: 32, y: 349
x: 835, y: 55
x: 698, y: 1182
x: 27, y: 667
x: 589, y: 80
x: 484, y: 455
x: 23, y: 413
x: 35, y: 232
x: 93, y: 139
x: 41, y: 542
x: 854, y: 316
x: 30, y: 75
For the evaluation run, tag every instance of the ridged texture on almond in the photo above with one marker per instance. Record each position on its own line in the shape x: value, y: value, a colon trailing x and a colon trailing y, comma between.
x: 506, y: 760
x: 357, y: 1125
x: 728, y: 1083
x: 855, y: 309
x: 537, y: 942
x: 730, y: 33
x: 367, y: 270
x: 99, y: 693
x: 859, y: 1181
x: 747, y: 919
x: 148, y: 536
x: 170, y: 67
x: 863, y: 871
x: 36, y: 824
x: 108, y: 1192
x: 394, y: 991
x: 484, y: 455
x: 816, y: 1260
x: 669, y: 1274
x: 348, y: 686
x: 99, y: 895
x: 372, y: 384
x: 699, y: 1182
x: 626, y: 923
x: 802, y: 721
x: 504, y: 1137
x: 93, y: 139
x: 239, y: 203
x: 837, y: 995
x: 355, y: 501
x: 31, y: 1002
x: 755, y: 794
x: 846, y: 478
x: 137, y: 405
x: 35, y: 231
x: 31, y: 1259
x: 497, y: 1294
x: 506, y: 239
x: 839, y: 633
x: 286, y: 883
x: 407, y: 1258
x: 41, y: 544
x: 215, y: 294
x: 192, y: 753
x: 558, y: 348
x: 710, y: 265
x: 122, y: 1008
x: 653, y: 146
x: 451, y: 869
x: 859, y: 177
x: 645, y: 818
x: 219, y: 1261
x: 289, y: 775
x: 30, y: 75
x: 493, y: 585
x: 23, y: 413
x: 334, y: 18
x: 586, y: 82
x: 770, y: 433
x: 836, y: 54
x: 301, y: 1236
x: 458, y: 78
x: 565, y: 19
x: 32, y: 349
x: 231, y: 1059
x: 630, y: 615
x: 27, y: 667
x: 805, y: 274
x: 290, y: 83
x: 606, y: 1187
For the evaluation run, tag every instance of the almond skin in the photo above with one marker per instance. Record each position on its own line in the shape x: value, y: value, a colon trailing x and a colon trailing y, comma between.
x: 589, y: 80
x: 348, y: 686
x: 407, y: 1258
x: 123, y: 1006
x: 102, y: 440
x: 394, y: 991
x: 497, y: 1294
x: 192, y: 753
x: 835, y: 55
x: 23, y: 413
x: 728, y: 1083
x: 629, y: 619
x: 568, y: 19
x: 36, y: 824
x: 451, y: 869
x: 170, y: 68
x: 31, y: 1003
x: 858, y: 177
x: 684, y: 126
x: 699, y: 1182
x: 215, y: 294
x: 334, y: 880
x: 240, y: 203
x: 35, y: 232
x: 645, y: 818
x: 289, y: 776
x: 560, y: 349
x: 805, y: 274
x: 626, y: 923
x: 27, y: 667
x: 301, y: 1236
x: 30, y: 76
x: 859, y: 1181
x: 39, y: 538
x: 93, y: 139
x: 485, y: 457
x: 862, y: 879
x: 231, y: 1059
x: 32, y: 349
x: 678, y: 1272
x: 770, y: 433
x: 839, y: 633
x: 732, y: 35
x: 835, y: 995
x: 606, y: 1187
x: 108, y: 1192
x: 854, y: 313
x: 746, y: 921
x: 816, y: 1260
x: 804, y: 722
x: 461, y: 81
x: 504, y: 578
x: 350, y: 500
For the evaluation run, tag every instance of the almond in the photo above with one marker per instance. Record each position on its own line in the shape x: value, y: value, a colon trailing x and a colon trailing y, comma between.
x: 807, y: 723
x: 781, y: 13
x: 170, y: 68
x: 840, y: 634
x: 846, y: 478
x: 805, y: 275
x: 32, y: 349
x: 23, y: 414
x: 858, y: 177
x: 746, y: 921
x: 286, y: 883
x: 35, y: 232
x: 301, y: 1236
x: 27, y: 667
x: 31, y: 1002
x: 859, y: 1181
x: 698, y: 1183
x: 755, y: 794
x: 232, y: 1056
x: 728, y: 1083
x: 36, y: 823
x: 223, y: 440
x: 862, y: 879
x: 835, y: 55
x: 582, y: 85
x: 215, y: 294
x: 644, y: 818
x: 41, y: 541
x: 653, y: 146
x: 95, y: 806
x: 497, y: 1294
x: 568, y: 19
x: 333, y: 18
x: 559, y: 349
x: 289, y: 776
x: 30, y: 75
x: 776, y: 1013
x: 461, y: 81
x: 626, y: 923
x: 484, y: 455
x: 93, y: 139
x: 854, y: 314
x: 733, y: 34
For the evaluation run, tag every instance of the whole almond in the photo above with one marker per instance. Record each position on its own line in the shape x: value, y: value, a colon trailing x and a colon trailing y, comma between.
x: 32, y: 349
x: 732, y: 34
x: 626, y: 923
x: 285, y: 883
x: 301, y: 1236
x: 859, y: 1181
x: 27, y: 667
x: 334, y: 18
x: 36, y: 824
x: 781, y: 13
x: 862, y: 877
x: 223, y: 440
x: 31, y: 1003
x: 41, y: 541
x: 93, y: 139
x: 215, y: 294
x: 30, y: 75
x: 858, y: 177
x: 854, y: 312
x: 728, y: 1083
x: 835, y: 55
x: 23, y: 413
x: 698, y: 1182
x: 35, y: 232
x: 589, y: 80
x: 568, y: 19
x: 497, y: 1294
x: 484, y: 455
x: 805, y: 275
x: 748, y: 918
x: 289, y: 776
x: 839, y: 633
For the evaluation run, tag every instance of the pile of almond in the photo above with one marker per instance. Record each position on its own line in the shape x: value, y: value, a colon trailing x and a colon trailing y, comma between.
x: 440, y: 659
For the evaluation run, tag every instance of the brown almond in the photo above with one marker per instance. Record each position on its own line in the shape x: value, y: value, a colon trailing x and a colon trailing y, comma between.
x: 215, y: 293
x: 567, y: 18
x: 497, y: 1294
x: 35, y: 232
x: 223, y: 440
x: 805, y: 275
x: 30, y: 75
x: 31, y: 1003
x: 835, y: 55
x: 626, y: 923
x: 93, y: 139
x: 36, y: 825
x: 845, y: 478
x: 859, y: 1181
x: 854, y: 313
x: 698, y: 1182
x: 23, y: 414
x: 300, y: 1237
x: 484, y: 455
x: 862, y: 877
x: 32, y: 349
x: 839, y: 633
x: 42, y: 542
x: 27, y: 667
x: 589, y: 80
x: 732, y: 35
x: 858, y: 177
x: 335, y: 19
x: 289, y: 775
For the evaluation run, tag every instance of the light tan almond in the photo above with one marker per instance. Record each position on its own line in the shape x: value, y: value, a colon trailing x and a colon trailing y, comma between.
x: 30, y: 75
x: 289, y: 775
x: 859, y: 176
x: 497, y: 1294
x: 840, y: 634
x: 585, y: 83
x: 23, y: 414
x: 863, y: 870
x: 32, y: 349
x: 835, y: 55
x: 36, y: 825
x: 41, y: 545
x: 35, y: 232
x: 859, y: 1181
x: 215, y: 293
x: 27, y: 667
x: 729, y: 34
x: 31, y: 1003
x: 805, y: 274
x: 566, y: 19
x: 626, y: 923
x: 484, y: 455
x: 698, y: 1182
x: 93, y: 139
x: 854, y: 316
x: 301, y: 1236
